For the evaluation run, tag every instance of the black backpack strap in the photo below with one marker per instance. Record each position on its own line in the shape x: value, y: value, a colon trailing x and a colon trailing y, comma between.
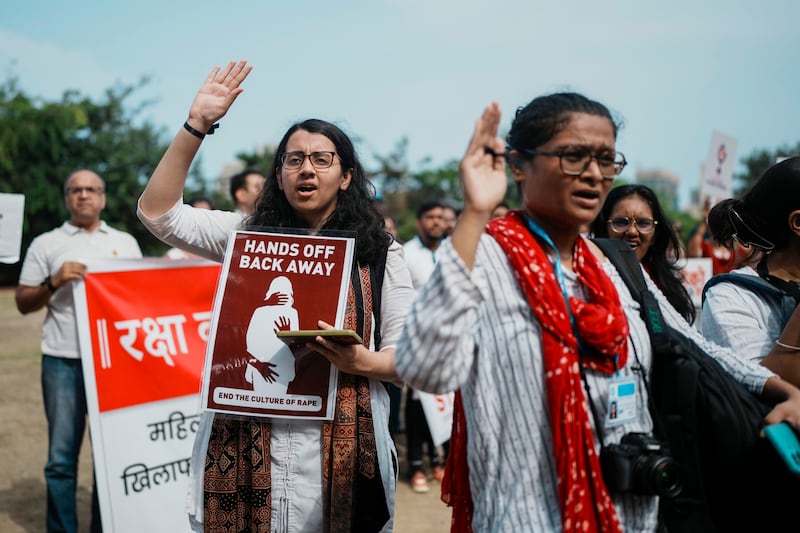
x: 789, y: 288
x: 674, y: 413
x: 756, y: 284
x: 624, y: 259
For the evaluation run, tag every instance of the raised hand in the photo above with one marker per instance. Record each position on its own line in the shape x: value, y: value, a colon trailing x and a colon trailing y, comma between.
x: 210, y: 104
x: 217, y: 94
x: 482, y: 168
x: 483, y: 178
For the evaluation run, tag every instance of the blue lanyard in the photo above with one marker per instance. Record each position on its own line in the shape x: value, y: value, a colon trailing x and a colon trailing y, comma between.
x: 537, y: 230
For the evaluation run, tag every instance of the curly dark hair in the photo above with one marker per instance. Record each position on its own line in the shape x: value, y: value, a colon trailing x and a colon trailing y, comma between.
x: 355, y: 207
x: 661, y: 258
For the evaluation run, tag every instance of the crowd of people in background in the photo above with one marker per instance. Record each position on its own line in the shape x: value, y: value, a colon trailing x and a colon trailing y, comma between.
x: 497, y: 304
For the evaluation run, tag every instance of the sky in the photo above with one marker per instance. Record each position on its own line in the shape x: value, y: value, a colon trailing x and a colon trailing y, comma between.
x: 672, y: 72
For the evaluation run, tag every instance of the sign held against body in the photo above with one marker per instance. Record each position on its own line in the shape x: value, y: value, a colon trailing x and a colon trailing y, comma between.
x: 273, y: 282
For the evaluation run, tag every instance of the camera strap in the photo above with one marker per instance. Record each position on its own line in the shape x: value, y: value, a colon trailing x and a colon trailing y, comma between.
x: 638, y: 369
x: 629, y: 268
x: 592, y: 408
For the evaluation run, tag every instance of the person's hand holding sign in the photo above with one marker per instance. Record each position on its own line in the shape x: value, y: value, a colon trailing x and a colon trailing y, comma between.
x: 355, y: 358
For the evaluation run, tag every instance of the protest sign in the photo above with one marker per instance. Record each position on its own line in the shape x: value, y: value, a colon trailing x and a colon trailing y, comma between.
x: 11, y: 213
x: 718, y: 170
x: 143, y: 327
x: 695, y: 274
x: 272, y: 282
x: 438, y: 409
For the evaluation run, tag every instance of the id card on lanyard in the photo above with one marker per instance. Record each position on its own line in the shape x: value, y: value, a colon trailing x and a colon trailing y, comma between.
x: 622, y: 405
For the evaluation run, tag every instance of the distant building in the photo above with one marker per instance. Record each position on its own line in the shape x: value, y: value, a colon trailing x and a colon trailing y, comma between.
x: 663, y: 182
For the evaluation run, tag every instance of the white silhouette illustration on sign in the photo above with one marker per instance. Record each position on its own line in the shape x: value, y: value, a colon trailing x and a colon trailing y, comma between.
x: 272, y: 367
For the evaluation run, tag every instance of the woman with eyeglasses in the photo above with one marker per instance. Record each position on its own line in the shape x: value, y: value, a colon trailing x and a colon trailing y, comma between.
x: 536, y: 330
x: 632, y: 213
x: 759, y: 325
x: 262, y: 474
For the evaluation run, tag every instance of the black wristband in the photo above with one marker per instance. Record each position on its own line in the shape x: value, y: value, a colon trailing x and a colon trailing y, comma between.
x: 48, y: 282
x: 199, y: 134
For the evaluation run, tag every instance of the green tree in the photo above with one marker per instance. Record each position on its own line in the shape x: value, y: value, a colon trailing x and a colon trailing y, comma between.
x: 391, y: 175
x: 261, y: 159
x: 42, y: 142
x: 758, y: 162
x: 403, y: 189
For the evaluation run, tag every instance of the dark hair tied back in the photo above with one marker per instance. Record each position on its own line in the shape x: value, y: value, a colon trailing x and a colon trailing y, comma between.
x: 719, y: 220
x: 761, y: 216
x: 542, y: 118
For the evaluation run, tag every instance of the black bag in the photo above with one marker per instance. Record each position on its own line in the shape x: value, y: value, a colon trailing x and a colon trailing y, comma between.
x: 733, y: 479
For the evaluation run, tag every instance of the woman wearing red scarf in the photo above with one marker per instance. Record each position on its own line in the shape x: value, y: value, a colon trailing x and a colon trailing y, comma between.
x: 536, y: 329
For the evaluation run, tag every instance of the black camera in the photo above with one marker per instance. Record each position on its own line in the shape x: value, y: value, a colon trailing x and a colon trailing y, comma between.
x: 640, y: 464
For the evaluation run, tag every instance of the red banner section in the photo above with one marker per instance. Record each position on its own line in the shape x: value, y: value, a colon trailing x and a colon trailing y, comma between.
x: 149, y: 331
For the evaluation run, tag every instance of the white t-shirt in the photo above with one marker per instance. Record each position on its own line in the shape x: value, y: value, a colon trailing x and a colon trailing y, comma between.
x: 45, y: 256
x: 420, y: 260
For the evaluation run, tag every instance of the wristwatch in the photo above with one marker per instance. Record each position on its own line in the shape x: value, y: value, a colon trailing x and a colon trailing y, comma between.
x: 48, y: 282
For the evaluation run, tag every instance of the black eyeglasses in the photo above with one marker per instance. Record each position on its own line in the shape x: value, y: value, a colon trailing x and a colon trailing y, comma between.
x: 319, y: 160
x: 643, y: 224
x: 75, y: 191
x: 575, y: 162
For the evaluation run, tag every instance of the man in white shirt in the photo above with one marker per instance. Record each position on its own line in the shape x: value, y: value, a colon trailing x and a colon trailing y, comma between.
x: 420, y: 253
x: 420, y: 250
x: 53, y: 261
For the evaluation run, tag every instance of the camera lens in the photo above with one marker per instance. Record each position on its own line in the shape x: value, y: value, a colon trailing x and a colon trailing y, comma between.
x: 660, y: 475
